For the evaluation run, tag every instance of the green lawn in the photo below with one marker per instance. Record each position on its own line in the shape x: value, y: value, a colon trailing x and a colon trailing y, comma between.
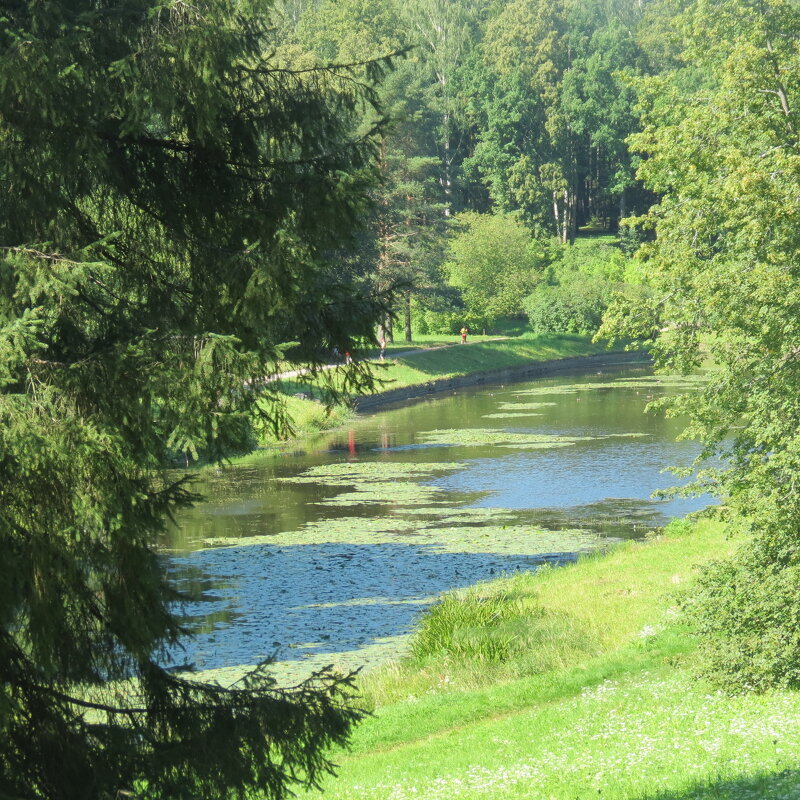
x: 481, y: 354
x: 605, y: 705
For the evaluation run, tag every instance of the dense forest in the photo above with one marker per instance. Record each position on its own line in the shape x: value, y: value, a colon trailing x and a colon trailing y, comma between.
x: 509, y: 134
x: 195, y: 194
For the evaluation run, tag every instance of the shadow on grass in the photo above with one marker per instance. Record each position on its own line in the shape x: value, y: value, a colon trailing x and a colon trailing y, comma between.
x: 778, y: 785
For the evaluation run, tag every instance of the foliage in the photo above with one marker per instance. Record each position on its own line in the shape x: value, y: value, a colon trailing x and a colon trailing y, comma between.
x: 469, y: 625
x: 580, y: 285
x: 495, y: 263
x: 443, y: 323
x: 593, y: 257
x: 567, y: 308
x: 520, y: 107
x: 593, y: 608
x: 723, y: 273
x: 555, y: 108
x: 612, y: 705
x: 748, y: 620
x: 172, y: 197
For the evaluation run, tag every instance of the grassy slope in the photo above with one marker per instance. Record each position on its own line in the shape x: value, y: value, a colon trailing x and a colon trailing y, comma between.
x: 481, y: 354
x: 617, y: 713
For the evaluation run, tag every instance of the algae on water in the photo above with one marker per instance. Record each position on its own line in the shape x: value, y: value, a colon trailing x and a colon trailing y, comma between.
x: 386, y: 493
x: 351, y: 472
x: 437, y: 536
x: 674, y: 382
x: 481, y: 437
x: 444, y: 515
x: 523, y: 406
x: 510, y: 415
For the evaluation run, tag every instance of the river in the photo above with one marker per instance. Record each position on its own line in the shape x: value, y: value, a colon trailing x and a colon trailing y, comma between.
x: 327, y: 551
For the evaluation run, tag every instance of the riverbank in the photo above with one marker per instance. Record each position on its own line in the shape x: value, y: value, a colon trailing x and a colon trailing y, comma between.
x: 440, y: 365
x: 502, y: 375
x: 570, y: 683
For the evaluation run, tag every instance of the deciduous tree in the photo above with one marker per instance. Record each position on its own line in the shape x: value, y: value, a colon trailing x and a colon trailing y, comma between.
x: 495, y: 263
x: 721, y: 138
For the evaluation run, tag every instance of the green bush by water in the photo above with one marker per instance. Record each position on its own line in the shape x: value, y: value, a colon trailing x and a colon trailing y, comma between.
x: 470, y: 625
x: 537, y: 623
x: 575, y: 307
x: 747, y: 614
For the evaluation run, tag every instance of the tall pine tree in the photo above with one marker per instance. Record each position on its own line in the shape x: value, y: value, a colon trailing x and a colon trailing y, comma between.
x: 169, y: 197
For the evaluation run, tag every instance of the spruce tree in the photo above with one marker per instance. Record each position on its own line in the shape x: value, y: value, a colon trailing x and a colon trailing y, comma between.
x: 170, y: 192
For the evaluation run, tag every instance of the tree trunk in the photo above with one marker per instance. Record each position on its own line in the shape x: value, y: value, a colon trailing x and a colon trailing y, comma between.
x: 565, y: 221
x: 572, y: 205
x: 557, y: 215
x: 408, y: 316
x: 447, y: 180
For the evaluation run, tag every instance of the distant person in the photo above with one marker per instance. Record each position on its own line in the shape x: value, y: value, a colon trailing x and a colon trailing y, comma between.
x: 464, y: 332
x: 348, y: 359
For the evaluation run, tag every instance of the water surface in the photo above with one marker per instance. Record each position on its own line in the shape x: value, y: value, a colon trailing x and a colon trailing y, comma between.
x: 327, y: 552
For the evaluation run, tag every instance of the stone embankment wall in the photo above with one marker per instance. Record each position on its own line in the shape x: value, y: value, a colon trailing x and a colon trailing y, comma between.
x: 536, y: 369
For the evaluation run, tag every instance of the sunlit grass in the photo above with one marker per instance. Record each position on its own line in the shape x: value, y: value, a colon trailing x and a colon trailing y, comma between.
x: 480, y: 356
x: 560, y: 616
x: 607, y: 708
x: 650, y: 734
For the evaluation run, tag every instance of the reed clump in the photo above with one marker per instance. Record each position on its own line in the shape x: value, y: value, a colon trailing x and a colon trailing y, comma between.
x: 554, y: 618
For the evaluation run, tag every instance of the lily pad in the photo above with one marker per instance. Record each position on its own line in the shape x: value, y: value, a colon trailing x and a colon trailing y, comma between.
x: 444, y: 515
x: 290, y: 673
x: 524, y: 406
x: 357, y: 530
x: 518, y: 539
x: 386, y: 493
x: 651, y: 382
x: 352, y: 472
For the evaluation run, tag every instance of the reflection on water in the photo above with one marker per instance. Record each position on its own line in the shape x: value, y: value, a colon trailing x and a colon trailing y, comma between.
x: 402, y: 505
x: 600, y: 470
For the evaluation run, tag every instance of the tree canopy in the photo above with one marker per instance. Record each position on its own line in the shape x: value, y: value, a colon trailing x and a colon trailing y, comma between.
x: 520, y: 106
x: 172, y: 195
x: 495, y: 263
x: 720, y: 135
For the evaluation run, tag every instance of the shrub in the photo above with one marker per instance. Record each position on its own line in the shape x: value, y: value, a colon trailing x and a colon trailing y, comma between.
x: 495, y: 263
x: 468, y: 625
x: 747, y: 617
x: 569, y: 308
